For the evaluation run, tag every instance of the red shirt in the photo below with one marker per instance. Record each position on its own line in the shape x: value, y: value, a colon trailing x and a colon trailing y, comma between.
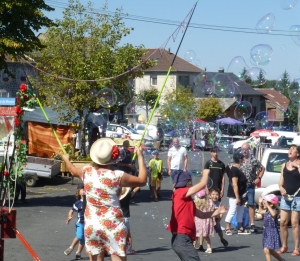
x: 183, y: 213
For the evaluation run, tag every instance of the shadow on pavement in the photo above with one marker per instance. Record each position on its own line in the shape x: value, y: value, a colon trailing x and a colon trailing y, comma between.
x: 150, y: 250
x: 58, y: 180
x: 228, y: 248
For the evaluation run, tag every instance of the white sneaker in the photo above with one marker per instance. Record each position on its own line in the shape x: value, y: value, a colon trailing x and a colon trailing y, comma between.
x: 208, y: 251
x: 222, y: 228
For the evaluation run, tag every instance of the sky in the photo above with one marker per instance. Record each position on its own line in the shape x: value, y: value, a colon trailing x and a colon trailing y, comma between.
x: 212, y: 48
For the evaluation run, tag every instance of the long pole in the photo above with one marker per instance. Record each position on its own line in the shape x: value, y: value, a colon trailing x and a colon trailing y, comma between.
x: 165, y: 81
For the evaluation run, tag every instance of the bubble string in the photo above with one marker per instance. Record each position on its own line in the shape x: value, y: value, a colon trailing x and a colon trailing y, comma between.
x: 161, y: 49
x: 167, y: 76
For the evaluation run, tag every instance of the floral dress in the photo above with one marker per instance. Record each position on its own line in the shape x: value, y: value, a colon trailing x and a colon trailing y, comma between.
x: 205, y: 227
x: 271, y: 237
x: 104, y: 226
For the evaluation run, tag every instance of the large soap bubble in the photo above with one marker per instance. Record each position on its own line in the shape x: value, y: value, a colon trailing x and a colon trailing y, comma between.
x: 295, y: 96
x: 295, y: 33
x: 255, y: 76
x: 220, y: 82
x: 262, y: 121
x: 238, y: 67
x: 190, y: 56
x: 288, y: 4
x: 243, y: 111
x: 261, y: 54
x: 203, y: 85
x: 107, y: 98
x: 266, y: 24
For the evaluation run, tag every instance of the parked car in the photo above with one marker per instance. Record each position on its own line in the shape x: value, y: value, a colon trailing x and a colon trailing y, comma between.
x: 237, y: 142
x: 272, y: 160
x: 283, y: 142
x: 156, y: 133
x: 133, y: 134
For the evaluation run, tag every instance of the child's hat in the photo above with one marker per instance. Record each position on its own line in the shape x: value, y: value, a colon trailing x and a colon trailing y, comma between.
x: 155, y: 152
x: 124, y: 192
x: 181, y: 178
x: 270, y: 198
x: 201, y: 193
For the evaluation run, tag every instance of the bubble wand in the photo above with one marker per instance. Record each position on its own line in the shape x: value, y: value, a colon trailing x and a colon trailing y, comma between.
x: 165, y: 81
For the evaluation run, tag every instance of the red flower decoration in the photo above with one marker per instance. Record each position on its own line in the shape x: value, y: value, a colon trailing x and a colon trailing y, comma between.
x: 18, y: 100
x: 23, y: 141
x: 115, y: 152
x: 23, y: 87
x: 17, y: 122
x: 19, y: 110
x: 5, y: 173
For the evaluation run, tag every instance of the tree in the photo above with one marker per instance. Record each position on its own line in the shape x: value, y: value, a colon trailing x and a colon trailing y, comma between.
x: 83, y: 47
x: 209, y: 108
x: 179, y: 106
x: 293, y: 108
x: 19, y: 22
x: 260, y: 81
x: 148, y: 98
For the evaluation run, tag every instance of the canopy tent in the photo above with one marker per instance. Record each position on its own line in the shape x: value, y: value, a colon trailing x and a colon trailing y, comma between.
x: 229, y: 121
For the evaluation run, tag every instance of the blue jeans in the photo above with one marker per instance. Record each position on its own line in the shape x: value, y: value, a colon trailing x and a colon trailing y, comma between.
x: 251, y: 194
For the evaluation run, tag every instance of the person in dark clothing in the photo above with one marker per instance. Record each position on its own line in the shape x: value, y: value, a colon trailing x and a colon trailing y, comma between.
x: 124, y: 203
x: 21, y: 189
x: 216, y: 173
x: 126, y: 164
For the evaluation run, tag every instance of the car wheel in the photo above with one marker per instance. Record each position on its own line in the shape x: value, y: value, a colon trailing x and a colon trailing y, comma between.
x: 30, y: 181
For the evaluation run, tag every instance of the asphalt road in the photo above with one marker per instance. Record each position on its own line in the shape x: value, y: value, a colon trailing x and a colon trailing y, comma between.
x: 42, y: 222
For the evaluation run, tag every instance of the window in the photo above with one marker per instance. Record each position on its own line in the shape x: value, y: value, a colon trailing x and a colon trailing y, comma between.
x: 153, y: 80
x: 184, y: 80
x: 276, y: 160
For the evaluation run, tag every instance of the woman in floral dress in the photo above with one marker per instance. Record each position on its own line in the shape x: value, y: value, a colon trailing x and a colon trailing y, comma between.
x: 105, y: 231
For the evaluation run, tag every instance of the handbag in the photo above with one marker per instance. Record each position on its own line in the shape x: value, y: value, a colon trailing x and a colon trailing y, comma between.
x: 246, y: 219
x: 291, y: 197
x: 244, y: 198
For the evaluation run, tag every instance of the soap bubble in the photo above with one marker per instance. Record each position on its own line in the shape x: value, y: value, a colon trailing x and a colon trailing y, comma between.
x: 288, y: 4
x: 238, y: 66
x: 197, y: 63
x: 164, y: 222
x: 295, y: 96
x: 261, y: 54
x: 295, y: 33
x: 251, y: 121
x: 255, y: 76
x: 196, y: 161
x: 130, y: 108
x: 190, y: 56
x: 295, y: 84
x: 203, y: 85
x: 220, y: 82
x: 120, y: 98
x: 100, y: 117
x: 287, y: 113
x: 243, y: 111
x: 266, y: 24
x: 237, y: 97
x: 107, y: 98
x: 262, y: 121
x: 151, y: 215
x: 279, y: 84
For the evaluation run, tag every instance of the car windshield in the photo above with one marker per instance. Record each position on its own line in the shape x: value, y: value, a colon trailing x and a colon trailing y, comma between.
x: 133, y: 131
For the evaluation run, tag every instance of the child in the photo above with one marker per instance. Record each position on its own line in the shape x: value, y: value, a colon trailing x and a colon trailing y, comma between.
x: 156, y: 166
x: 182, y: 223
x: 204, y: 227
x: 78, y: 207
x: 268, y: 206
x: 215, y: 195
x: 125, y: 198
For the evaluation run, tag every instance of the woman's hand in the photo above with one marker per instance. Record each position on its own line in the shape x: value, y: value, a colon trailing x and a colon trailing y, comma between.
x: 282, y: 191
x: 65, y: 157
x: 238, y: 201
x: 138, y: 151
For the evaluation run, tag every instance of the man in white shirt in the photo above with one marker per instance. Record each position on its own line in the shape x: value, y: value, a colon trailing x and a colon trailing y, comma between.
x: 177, y: 158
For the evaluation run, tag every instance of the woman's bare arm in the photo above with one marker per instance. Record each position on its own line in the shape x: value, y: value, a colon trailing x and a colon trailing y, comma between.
x: 76, y: 172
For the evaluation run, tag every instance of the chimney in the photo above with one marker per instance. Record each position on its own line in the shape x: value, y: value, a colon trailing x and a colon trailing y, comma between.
x: 221, y: 70
x: 169, y: 50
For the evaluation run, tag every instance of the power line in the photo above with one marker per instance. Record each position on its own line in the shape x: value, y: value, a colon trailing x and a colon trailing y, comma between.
x: 244, y: 30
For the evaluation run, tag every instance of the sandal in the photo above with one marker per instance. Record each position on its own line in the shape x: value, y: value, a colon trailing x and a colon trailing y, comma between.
x: 296, y: 252
x: 243, y: 231
x: 228, y: 232
x: 224, y: 242
x: 282, y: 250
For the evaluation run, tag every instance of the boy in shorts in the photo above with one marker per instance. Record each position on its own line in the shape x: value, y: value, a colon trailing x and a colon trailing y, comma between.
x: 156, y: 165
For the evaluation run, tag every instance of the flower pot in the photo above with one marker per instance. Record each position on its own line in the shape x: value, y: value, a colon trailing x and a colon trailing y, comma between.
x: 81, y: 164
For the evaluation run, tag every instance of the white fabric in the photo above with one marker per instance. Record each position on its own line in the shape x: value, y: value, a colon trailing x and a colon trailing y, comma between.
x: 234, y: 208
x: 119, y: 130
x: 177, y: 157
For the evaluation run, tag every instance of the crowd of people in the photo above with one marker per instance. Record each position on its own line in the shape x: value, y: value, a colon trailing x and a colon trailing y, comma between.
x: 196, y: 209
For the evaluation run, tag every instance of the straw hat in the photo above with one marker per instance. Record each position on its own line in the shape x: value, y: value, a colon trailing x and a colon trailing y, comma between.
x: 125, y: 191
x: 101, y: 150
